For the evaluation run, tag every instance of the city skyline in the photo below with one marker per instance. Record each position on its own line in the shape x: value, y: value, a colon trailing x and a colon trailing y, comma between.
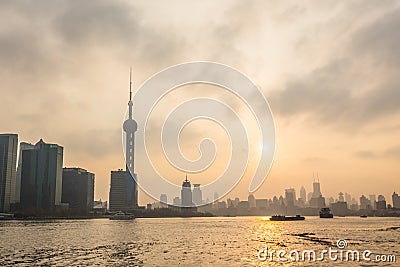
x: 315, y: 179
x: 336, y: 109
x: 306, y: 198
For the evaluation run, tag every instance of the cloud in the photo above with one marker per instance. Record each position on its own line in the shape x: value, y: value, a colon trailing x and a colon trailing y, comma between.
x: 314, y: 159
x: 393, y: 152
x: 365, y: 154
x: 354, y: 88
x: 380, y: 40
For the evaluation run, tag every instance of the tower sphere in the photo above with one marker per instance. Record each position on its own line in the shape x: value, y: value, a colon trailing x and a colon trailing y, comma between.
x: 130, y: 126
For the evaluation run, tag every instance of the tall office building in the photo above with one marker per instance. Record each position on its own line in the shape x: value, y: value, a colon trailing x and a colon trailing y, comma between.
x: 347, y: 199
x: 177, y: 201
x: 186, y: 193
x: 163, y: 198
x: 396, y: 200
x: 252, y: 201
x: 22, y: 146
x: 303, y: 194
x: 364, y: 203
x: 316, y: 190
x: 41, y: 177
x: 340, y: 197
x: 122, y: 191
x: 8, y: 160
x: 372, y: 199
x: 290, y: 197
x: 130, y: 127
x: 163, y: 201
x: 197, y: 195
x: 78, y: 189
x: 381, y: 203
x: 317, y: 200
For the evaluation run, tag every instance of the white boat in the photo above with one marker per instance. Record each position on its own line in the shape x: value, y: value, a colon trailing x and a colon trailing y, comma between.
x: 121, y: 216
x: 6, y: 216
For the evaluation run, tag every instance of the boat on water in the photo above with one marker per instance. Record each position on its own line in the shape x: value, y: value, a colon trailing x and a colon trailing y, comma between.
x: 6, y: 216
x: 325, y: 213
x: 121, y: 216
x: 363, y: 216
x: 286, y: 218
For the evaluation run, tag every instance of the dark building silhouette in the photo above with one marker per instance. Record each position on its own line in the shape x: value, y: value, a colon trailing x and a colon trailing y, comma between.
x: 317, y: 200
x: 177, y: 201
x: 252, y: 201
x: 303, y: 194
x: 41, y: 177
x: 186, y: 193
x: 381, y: 203
x: 22, y: 146
x: 197, y: 195
x: 290, y: 197
x: 396, y: 200
x: 8, y: 161
x: 365, y: 204
x: 164, y: 198
x: 78, y: 189
x: 123, y: 191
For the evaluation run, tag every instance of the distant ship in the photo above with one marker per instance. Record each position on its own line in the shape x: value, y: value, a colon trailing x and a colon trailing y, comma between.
x: 121, y: 216
x: 363, y: 216
x: 325, y: 213
x: 6, y: 216
x: 287, y: 218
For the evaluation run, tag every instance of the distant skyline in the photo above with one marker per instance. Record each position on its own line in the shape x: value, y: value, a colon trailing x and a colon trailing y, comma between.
x: 330, y: 71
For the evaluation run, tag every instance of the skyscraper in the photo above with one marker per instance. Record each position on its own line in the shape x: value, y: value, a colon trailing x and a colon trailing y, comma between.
x: 303, y: 194
x: 347, y: 199
x: 341, y: 197
x: 130, y: 127
x: 316, y: 190
x: 396, y: 200
x: 78, y: 189
x: 372, y: 199
x: 41, y: 177
x: 8, y: 160
x: 22, y: 146
x: 364, y: 203
x: 317, y: 201
x: 252, y: 201
x: 163, y: 198
x: 290, y: 197
x: 197, y: 195
x: 186, y: 193
x: 122, y: 191
x: 381, y: 203
x: 177, y: 201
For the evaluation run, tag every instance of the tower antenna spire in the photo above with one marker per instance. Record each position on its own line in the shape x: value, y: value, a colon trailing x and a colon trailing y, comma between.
x: 130, y: 84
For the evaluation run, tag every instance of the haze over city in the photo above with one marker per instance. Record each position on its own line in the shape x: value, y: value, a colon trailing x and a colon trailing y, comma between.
x: 328, y: 70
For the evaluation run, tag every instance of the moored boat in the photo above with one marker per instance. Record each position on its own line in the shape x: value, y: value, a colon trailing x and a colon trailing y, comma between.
x: 6, y: 216
x: 286, y: 218
x: 121, y: 216
x: 325, y: 213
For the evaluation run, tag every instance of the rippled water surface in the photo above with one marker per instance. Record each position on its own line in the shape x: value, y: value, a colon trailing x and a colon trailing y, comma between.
x: 190, y: 241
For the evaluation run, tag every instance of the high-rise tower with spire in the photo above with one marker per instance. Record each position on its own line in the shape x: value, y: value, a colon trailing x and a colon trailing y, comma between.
x: 130, y: 127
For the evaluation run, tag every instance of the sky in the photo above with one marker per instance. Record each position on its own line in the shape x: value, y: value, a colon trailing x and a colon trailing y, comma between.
x: 329, y: 70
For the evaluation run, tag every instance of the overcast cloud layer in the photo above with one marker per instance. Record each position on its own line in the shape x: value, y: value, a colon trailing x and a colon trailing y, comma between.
x: 329, y: 69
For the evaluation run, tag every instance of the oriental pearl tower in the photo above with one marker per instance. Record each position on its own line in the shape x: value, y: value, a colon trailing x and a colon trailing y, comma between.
x: 130, y: 127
